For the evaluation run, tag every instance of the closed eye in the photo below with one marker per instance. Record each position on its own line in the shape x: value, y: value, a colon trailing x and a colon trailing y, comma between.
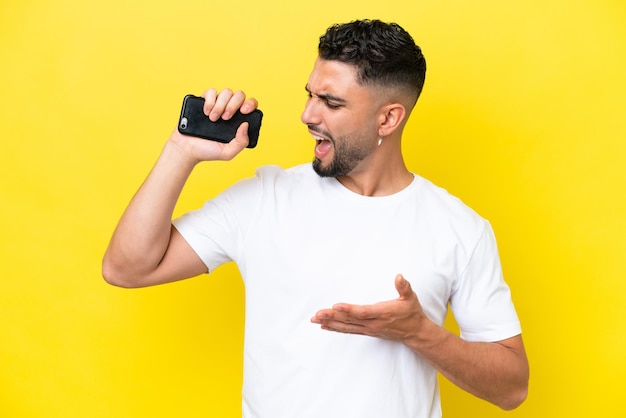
x: 331, y: 101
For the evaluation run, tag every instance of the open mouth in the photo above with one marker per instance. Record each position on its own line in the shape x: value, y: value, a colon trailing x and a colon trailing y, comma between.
x: 319, y: 139
x: 322, y: 147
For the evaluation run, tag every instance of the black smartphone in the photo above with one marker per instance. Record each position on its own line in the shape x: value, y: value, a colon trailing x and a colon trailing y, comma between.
x: 194, y: 122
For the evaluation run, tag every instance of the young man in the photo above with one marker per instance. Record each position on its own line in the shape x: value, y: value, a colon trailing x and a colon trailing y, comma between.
x: 355, y: 226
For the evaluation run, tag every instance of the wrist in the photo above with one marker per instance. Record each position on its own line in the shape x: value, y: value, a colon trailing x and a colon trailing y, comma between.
x: 428, y: 336
x: 180, y: 149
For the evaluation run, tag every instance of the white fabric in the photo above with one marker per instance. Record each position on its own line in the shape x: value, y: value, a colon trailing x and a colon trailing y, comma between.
x: 303, y: 243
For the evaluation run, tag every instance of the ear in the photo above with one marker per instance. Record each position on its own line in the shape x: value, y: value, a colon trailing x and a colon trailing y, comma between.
x: 390, y: 118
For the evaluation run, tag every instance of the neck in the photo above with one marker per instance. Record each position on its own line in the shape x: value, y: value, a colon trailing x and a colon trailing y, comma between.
x: 381, y: 174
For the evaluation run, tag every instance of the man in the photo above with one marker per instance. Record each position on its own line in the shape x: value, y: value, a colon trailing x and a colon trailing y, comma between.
x: 355, y: 226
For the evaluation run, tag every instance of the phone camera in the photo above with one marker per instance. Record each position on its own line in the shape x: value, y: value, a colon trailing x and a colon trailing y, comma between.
x: 183, y: 123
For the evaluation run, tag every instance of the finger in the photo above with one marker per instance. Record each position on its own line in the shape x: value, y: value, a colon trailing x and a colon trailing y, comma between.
x: 241, y: 138
x: 222, y: 100
x: 345, y: 314
x: 209, y: 100
x: 237, y: 145
x: 354, y: 313
x: 321, y: 316
x: 334, y: 321
x: 345, y: 328
x: 235, y: 102
x: 249, y: 105
x: 403, y: 287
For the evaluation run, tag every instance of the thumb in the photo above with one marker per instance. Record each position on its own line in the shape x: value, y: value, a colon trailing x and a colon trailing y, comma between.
x: 239, y: 142
x: 403, y: 287
x: 241, y: 137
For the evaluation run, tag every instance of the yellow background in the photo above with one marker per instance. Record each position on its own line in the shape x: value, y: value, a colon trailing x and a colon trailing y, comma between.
x: 522, y: 117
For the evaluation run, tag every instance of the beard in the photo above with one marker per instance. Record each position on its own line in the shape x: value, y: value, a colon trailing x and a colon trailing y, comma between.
x: 338, y: 167
x: 348, y: 153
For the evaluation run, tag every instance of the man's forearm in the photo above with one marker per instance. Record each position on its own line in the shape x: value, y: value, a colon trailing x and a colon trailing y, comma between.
x: 496, y: 372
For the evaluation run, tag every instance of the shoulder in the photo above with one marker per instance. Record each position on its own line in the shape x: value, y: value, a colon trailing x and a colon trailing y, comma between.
x: 446, y: 210
x: 277, y: 178
x: 274, y: 172
x: 268, y: 174
x: 270, y: 180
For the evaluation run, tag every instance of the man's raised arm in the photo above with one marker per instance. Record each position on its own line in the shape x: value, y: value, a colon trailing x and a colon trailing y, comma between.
x: 145, y: 248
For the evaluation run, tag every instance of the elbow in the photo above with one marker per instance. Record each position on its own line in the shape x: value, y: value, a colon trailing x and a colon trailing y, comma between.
x: 116, y: 281
x: 113, y: 278
x: 517, y: 392
x: 116, y: 276
x: 514, y: 399
x: 515, y: 386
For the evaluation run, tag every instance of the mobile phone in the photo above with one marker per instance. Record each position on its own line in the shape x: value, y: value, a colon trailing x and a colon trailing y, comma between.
x: 194, y: 122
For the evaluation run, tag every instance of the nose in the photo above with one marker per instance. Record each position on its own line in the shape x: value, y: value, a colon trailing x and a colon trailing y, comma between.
x: 310, y: 115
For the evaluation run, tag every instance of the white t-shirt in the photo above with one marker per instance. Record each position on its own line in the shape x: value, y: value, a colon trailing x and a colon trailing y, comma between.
x: 303, y: 243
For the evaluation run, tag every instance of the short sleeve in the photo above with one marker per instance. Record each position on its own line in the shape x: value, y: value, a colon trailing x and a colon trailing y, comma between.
x: 215, y: 231
x: 481, y: 300
x: 205, y: 234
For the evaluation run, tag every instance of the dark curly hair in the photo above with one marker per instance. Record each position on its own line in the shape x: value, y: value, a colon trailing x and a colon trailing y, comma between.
x: 383, y: 53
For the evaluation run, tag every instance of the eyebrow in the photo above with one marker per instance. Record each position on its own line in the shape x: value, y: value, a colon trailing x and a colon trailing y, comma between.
x: 326, y: 96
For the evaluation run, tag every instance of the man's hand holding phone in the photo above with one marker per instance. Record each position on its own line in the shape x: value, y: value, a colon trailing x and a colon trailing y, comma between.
x: 217, y: 126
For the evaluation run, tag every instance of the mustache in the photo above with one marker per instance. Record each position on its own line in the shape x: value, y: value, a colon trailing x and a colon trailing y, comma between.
x: 318, y: 130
